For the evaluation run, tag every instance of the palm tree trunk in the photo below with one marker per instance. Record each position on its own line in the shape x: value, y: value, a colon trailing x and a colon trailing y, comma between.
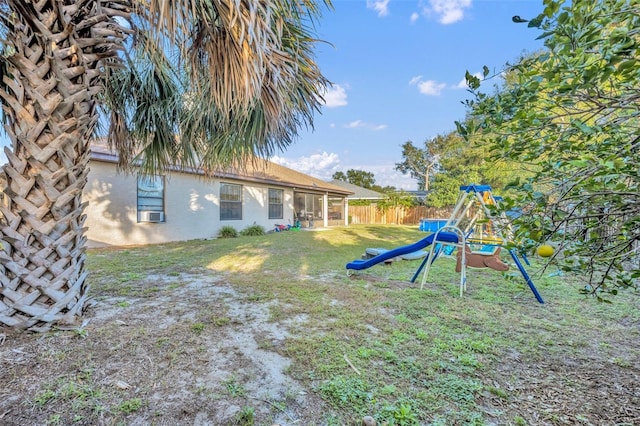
x: 53, y: 65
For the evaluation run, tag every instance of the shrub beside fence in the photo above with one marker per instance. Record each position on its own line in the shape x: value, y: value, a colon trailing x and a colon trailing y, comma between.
x: 372, y: 215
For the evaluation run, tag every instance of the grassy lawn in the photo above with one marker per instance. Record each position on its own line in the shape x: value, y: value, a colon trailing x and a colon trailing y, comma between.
x: 368, y: 345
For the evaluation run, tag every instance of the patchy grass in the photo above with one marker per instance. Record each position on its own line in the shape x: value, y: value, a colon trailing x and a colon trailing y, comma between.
x: 272, y: 326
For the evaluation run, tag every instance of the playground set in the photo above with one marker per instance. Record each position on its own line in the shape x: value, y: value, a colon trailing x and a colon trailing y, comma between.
x: 473, y: 231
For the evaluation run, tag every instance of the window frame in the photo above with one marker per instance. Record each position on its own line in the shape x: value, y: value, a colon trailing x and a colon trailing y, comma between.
x: 279, y: 205
x: 227, y: 205
x: 160, y: 194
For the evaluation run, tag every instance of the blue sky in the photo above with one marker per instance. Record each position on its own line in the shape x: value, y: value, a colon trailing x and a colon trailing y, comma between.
x: 398, y: 71
x: 397, y: 68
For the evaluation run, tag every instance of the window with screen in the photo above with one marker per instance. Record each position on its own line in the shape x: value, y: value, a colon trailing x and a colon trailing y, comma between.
x: 276, y: 203
x: 150, y: 198
x: 230, y: 201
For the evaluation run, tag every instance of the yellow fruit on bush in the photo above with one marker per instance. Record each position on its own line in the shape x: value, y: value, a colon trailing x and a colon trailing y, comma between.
x: 545, y: 250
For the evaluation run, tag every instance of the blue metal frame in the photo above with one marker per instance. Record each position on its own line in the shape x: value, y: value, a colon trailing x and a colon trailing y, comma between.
x: 524, y: 273
x: 438, y: 249
x: 475, y: 188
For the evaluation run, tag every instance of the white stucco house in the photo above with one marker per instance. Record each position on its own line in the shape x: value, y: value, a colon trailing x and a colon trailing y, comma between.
x: 131, y: 209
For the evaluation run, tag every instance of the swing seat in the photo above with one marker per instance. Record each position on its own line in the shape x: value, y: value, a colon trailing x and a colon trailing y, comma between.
x: 480, y: 260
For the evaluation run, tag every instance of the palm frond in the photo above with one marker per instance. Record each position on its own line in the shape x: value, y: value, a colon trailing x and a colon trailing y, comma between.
x: 241, y: 81
x: 144, y: 101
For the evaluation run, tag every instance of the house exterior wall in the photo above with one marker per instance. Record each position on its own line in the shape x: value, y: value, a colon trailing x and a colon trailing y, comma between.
x: 191, y: 207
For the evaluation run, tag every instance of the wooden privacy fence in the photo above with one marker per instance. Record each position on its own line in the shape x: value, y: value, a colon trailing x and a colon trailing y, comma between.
x: 371, y: 215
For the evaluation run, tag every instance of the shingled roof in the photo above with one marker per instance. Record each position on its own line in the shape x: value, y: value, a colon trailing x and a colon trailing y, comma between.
x: 258, y: 171
x: 358, y: 192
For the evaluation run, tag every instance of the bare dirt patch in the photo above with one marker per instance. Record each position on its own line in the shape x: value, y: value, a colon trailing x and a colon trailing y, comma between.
x: 195, y: 352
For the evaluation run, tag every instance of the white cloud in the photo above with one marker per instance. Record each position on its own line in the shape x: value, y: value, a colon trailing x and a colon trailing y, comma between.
x: 463, y: 83
x: 445, y: 11
x: 380, y: 6
x: 427, y: 87
x: 449, y: 11
x: 431, y: 87
x: 335, y: 96
x: 414, y: 17
x: 386, y: 175
x: 364, y: 125
x: 321, y: 166
x: 415, y: 79
x: 354, y: 124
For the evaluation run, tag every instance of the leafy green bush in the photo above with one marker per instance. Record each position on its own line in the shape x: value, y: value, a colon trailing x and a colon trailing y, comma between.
x: 360, y: 202
x: 253, y: 231
x: 227, y: 232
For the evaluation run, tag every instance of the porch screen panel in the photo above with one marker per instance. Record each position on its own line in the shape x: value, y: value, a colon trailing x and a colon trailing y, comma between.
x: 308, y: 206
x: 313, y: 203
x: 298, y: 205
x: 336, y: 208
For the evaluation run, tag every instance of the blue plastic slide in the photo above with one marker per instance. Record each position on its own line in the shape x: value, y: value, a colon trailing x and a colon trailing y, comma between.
x: 446, y: 237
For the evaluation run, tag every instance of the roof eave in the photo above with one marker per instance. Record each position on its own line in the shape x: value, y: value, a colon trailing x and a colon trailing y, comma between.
x: 111, y: 158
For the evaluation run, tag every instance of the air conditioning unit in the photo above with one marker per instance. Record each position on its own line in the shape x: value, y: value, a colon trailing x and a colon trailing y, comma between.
x: 147, y: 216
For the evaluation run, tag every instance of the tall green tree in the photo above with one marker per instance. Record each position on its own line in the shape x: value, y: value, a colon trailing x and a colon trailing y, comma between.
x: 198, y: 83
x: 452, y: 161
x: 361, y: 178
x: 339, y: 176
x: 471, y: 161
x: 572, y: 112
x: 422, y: 163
